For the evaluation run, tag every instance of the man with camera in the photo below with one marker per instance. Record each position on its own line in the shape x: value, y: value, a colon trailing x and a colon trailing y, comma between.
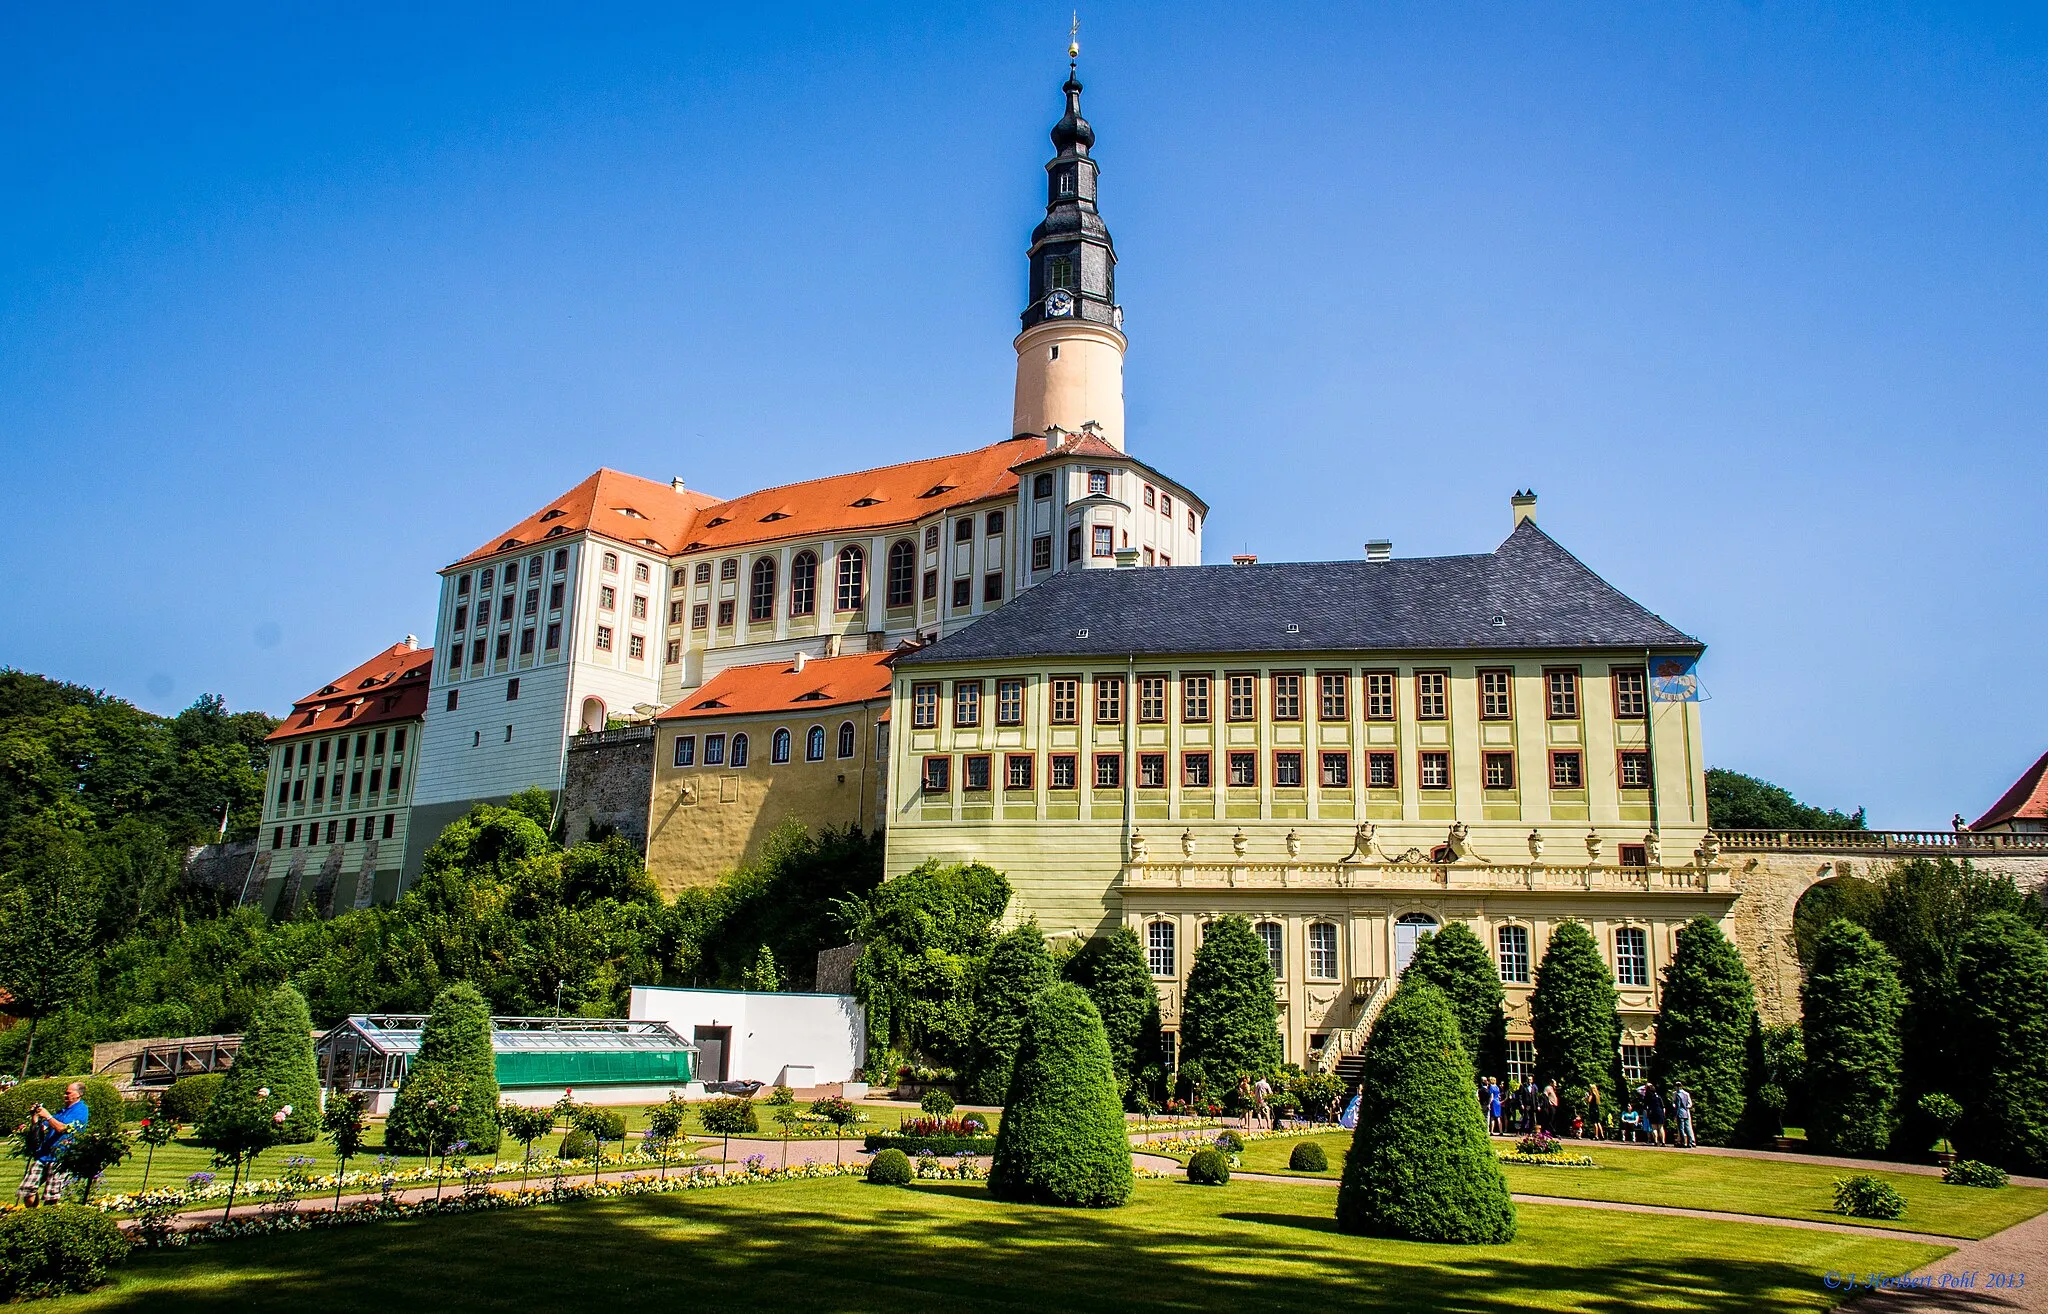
x: 48, y: 1136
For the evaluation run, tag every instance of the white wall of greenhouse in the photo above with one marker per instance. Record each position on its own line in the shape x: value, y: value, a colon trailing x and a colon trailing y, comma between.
x: 797, y: 1039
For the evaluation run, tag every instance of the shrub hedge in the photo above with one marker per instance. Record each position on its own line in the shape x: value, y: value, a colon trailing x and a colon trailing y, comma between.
x: 1864, y: 1196
x: 1229, y: 1024
x: 1969, y: 1172
x: 52, y: 1250
x: 2002, y: 989
x: 936, y: 1144
x: 276, y: 1055
x: 1208, y: 1168
x: 102, y: 1099
x: 1852, y: 1002
x: 889, y: 1168
x: 1018, y: 968
x: 455, y: 1062
x: 186, y: 1100
x: 1062, y: 1139
x: 578, y: 1144
x: 1308, y: 1157
x: 1421, y: 1167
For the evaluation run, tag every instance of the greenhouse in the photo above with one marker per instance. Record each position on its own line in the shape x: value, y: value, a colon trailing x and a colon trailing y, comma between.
x: 606, y: 1060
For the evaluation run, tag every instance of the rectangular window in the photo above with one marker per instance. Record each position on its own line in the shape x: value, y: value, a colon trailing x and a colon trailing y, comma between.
x: 1287, y: 770
x: 1165, y: 505
x: 1635, y: 769
x: 504, y: 646
x: 277, y: 836
x: 1103, y: 541
x: 686, y: 750
x: 555, y: 596
x: 1073, y: 544
x: 1017, y: 771
x: 355, y: 784
x: 636, y: 647
x: 974, y: 774
x: 700, y: 616
x: 552, y: 639
x: 1434, y: 771
x: 1059, y: 771
x: 673, y: 653
x: 714, y: 750
x: 532, y: 606
x: 1631, y: 956
x: 1635, y: 1063
x: 1287, y: 697
x: 1244, y: 770
x: 1066, y: 700
x: 1379, y: 696
x: 348, y: 832
x: 1159, y: 948
x: 1041, y: 485
x: 1244, y: 697
x: 675, y: 612
x: 992, y: 586
x: 1500, y: 770
x: 1041, y: 552
x: 1322, y: 951
x: 462, y: 617
x: 1109, y: 770
x: 1564, y: 695
x: 505, y: 608
x: 1521, y: 1061
x: 1009, y: 702
x: 376, y: 780
x: 924, y: 706
x: 1151, y: 771
x: 701, y: 572
x: 966, y: 703
x: 295, y: 837
x: 1334, y: 704
x: 963, y: 593
x: 607, y: 598
x: 1151, y: 698
x: 1380, y: 771
x: 1194, y: 770
x: 1151, y: 496
x: 454, y: 696
x: 995, y: 523
x: 1336, y: 771
x: 938, y: 775
x: 526, y: 637
x: 1567, y: 770
x: 476, y: 652
x: 1513, y: 942
x: 1109, y: 700
x: 1429, y: 695
x: 512, y: 690
x: 725, y: 612
x: 1496, y: 696
x: 1194, y: 698
x: 604, y: 638
x: 963, y: 531
x: 1635, y: 855
x: 462, y: 587
x: 1630, y: 697
x: 931, y: 538
x: 729, y: 568
x: 929, y: 590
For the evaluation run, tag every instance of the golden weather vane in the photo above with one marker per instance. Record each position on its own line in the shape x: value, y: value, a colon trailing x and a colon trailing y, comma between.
x: 1074, y: 37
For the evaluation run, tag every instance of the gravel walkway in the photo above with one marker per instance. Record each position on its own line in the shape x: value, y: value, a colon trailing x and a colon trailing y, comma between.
x: 2020, y: 1250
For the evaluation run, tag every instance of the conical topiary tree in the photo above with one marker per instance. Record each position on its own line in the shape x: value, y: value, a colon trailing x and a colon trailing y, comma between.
x: 1420, y: 1166
x: 1852, y: 1000
x: 1112, y: 969
x: 1017, y: 969
x: 276, y: 1056
x: 1455, y: 962
x: 1572, y: 1013
x: 2002, y: 989
x: 456, y: 1069
x: 1062, y: 1139
x: 1703, y: 1025
x: 1229, y: 1022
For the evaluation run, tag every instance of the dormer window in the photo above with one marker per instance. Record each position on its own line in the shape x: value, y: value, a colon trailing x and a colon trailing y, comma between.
x: 869, y: 501
x: 937, y: 490
x: 558, y: 529
x: 774, y: 516
x: 716, y: 521
x: 508, y: 543
x: 555, y: 513
x: 629, y: 511
x: 1098, y: 483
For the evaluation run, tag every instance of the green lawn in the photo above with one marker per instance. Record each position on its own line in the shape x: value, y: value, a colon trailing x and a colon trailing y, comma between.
x: 1745, y: 1186
x: 843, y: 1245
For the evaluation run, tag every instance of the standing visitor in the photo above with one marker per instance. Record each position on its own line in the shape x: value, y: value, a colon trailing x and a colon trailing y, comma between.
x: 1244, y: 1102
x: 1493, y: 1123
x: 1262, y: 1107
x: 1553, y: 1121
x: 1595, y: 1116
x: 1681, y: 1100
x: 49, y: 1135
x: 1654, y: 1102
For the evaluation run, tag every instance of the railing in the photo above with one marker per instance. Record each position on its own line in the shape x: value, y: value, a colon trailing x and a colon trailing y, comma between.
x: 1398, y: 875
x: 160, y: 1065
x: 1882, y: 841
x: 1371, y: 994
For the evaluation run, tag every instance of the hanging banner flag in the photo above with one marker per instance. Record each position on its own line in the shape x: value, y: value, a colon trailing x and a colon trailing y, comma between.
x: 1674, y: 680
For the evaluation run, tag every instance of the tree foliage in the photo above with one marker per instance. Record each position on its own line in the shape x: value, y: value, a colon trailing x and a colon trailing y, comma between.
x: 1229, y: 1024
x: 1739, y: 802
x: 2002, y: 1065
x: 1018, y: 967
x: 797, y: 898
x: 46, y: 933
x: 1113, y: 970
x: 1852, y: 1002
x: 1420, y: 1166
x: 925, y: 935
x: 1573, y: 1014
x: 1704, y: 1020
x: 1062, y: 1140
x: 1456, y: 962
x: 456, y: 1068
x: 273, y: 1074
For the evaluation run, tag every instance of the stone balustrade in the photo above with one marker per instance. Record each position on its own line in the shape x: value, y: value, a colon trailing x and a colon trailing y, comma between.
x: 1694, y: 879
x: 1961, y: 843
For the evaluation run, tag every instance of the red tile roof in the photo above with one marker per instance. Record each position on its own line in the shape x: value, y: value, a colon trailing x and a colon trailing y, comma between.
x: 619, y: 506
x: 2028, y: 798
x: 392, y: 686
x: 773, y: 687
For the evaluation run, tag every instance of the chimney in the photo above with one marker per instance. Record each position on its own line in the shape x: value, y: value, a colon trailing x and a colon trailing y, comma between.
x: 1379, y: 549
x: 1126, y: 558
x: 412, y: 642
x: 1054, y: 436
x: 677, y: 483
x: 1524, y: 502
x: 801, y: 658
x: 1245, y: 559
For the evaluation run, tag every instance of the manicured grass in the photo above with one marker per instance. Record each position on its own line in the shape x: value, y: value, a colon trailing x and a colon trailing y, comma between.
x: 843, y: 1245
x: 1745, y: 1186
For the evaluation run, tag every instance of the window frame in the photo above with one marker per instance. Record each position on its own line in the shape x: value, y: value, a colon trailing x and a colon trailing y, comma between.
x: 850, y: 579
x: 1487, y: 761
x: 1570, y: 692
x: 1109, y: 772
x: 901, y: 587
x: 1188, y: 757
x: 848, y: 740
x: 1011, y: 761
x: 779, y: 747
x: 1248, y: 700
x: 1333, y: 696
x: 1065, y: 693
x: 966, y: 704
x: 1577, y: 756
x: 924, y: 705
x: 1422, y: 757
x: 1009, y: 700
x: 1637, y: 979
x: 1053, y: 764
x: 936, y: 775
x: 1162, y: 945
x: 1290, y: 759
x: 1621, y: 773
x: 1275, y: 945
x: 1152, y: 771
x: 1108, y: 700
x: 1504, y: 709
x: 1333, y: 949
x: 1236, y: 758
x: 761, y: 590
x: 1513, y: 965
x: 814, y: 744
x: 1341, y: 759
x: 803, y: 583
x: 1284, y: 688
x: 1152, y: 695
x: 1641, y: 694
x: 1188, y: 696
x: 968, y: 765
x: 1432, y: 689
x: 1390, y: 700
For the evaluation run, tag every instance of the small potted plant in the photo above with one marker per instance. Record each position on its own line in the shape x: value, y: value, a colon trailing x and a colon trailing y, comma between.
x: 1942, y: 1110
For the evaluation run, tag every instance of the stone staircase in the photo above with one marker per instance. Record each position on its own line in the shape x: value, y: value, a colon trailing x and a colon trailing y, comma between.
x: 1343, y: 1051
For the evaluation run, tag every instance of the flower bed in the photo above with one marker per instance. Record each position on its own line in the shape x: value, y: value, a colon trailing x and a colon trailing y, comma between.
x: 1550, y: 1159
x: 930, y: 1144
x: 1179, y: 1145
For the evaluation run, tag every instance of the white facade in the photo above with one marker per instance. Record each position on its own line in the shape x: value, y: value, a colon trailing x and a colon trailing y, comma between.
x: 774, y: 1038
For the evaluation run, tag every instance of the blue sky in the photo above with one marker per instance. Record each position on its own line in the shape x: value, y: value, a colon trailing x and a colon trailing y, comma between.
x: 299, y: 303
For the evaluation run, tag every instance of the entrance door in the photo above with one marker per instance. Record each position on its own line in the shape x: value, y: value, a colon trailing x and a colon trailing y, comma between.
x: 713, y: 1044
x: 1408, y: 929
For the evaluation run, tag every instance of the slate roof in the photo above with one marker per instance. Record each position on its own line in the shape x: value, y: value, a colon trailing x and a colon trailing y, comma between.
x: 1542, y: 596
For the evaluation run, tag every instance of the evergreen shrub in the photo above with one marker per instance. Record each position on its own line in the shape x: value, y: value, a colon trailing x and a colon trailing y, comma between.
x: 1852, y: 1002
x: 1208, y: 1168
x: 101, y: 1097
x: 1572, y: 1013
x: 1864, y: 1196
x: 938, y: 1103
x: 1112, y: 969
x: 457, y: 1066
x: 276, y: 1055
x: 1017, y: 969
x: 578, y: 1144
x: 1457, y: 963
x: 889, y: 1168
x: 1229, y: 1019
x: 1421, y: 1167
x: 1062, y: 1139
x: 1230, y: 1142
x: 185, y: 1100
x: 1969, y: 1172
x: 1704, y: 1021
x: 2002, y: 997
x: 1308, y: 1157
x: 56, y: 1249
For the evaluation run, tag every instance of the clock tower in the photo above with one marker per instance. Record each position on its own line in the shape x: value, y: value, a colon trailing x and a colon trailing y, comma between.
x: 1070, y: 354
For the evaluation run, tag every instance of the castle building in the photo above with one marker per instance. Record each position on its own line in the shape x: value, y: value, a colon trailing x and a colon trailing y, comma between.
x: 1350, y: 754
x: 338, y: 792
x: 621, y: 596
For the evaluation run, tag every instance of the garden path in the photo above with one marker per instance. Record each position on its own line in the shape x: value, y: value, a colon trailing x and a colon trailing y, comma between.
x: 2018, y: 1249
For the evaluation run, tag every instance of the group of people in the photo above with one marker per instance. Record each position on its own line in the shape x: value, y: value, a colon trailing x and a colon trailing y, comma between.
x: 1255, y: 1099
x: 1647, y: 1117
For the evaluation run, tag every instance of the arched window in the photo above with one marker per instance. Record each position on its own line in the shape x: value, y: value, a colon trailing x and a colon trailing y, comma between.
x: 1270, y: 936
x: 761, y: 590
x: 814, y: 744
x: 803, y: 584
x: 1409, y: 928
x: 902, y: 572
x: 739, y: 751
x: 1322, y: 951
x: 1159, y: 954
x: 846, y: 739
x: 778, y: 748
x: 611, y: 562
x: 853, y: 580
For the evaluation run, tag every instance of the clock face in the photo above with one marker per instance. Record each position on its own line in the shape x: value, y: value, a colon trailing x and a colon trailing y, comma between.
x: 1060, y: 303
